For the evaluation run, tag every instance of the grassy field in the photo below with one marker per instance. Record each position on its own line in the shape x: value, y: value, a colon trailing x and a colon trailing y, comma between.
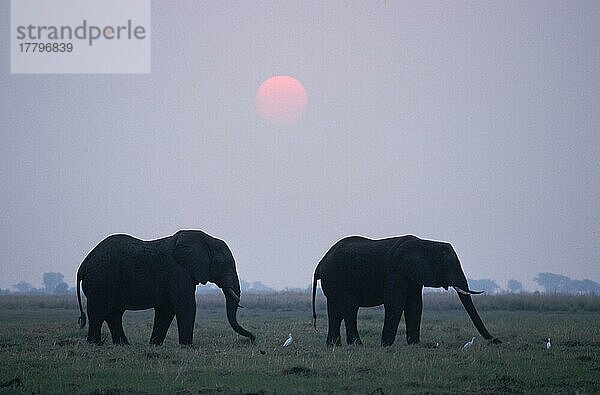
x: 42, y: 350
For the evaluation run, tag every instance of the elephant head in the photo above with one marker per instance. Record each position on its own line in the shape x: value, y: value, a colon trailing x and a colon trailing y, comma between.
x: 435, y: 264
x: 209, y: 259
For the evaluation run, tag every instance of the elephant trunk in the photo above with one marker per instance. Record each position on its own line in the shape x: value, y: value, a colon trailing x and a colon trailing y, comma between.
x: 232, y: 301
x: 470, y: 307
x: 464, y: 293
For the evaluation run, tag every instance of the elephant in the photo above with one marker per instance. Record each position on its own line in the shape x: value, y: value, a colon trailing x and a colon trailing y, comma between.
x: 125, y: 273
x: 361, y: 272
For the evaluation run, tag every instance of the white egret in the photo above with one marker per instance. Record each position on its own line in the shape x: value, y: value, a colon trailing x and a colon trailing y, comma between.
x: 468, y: 344
x: 548, y: 344
x: 288, y: 341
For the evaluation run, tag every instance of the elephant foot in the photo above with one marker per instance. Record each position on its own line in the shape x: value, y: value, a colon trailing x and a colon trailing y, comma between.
x: 494, y: 340
x: 97, y: 341
x: 386, y: 343
x: 332, y: 343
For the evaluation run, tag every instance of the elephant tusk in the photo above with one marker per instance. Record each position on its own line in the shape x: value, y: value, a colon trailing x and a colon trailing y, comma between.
x: 460, y: 291
x: 467, y: 292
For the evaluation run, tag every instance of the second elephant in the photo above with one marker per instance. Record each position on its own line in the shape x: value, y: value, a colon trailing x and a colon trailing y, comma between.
x: 360, y: 272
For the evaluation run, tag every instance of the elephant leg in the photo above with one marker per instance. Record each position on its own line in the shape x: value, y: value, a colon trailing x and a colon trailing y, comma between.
x: 186, y: 315
x: 335, y: 321
x: 393, y: 303
x: 163, y: 316
x: 115, y: 324
x: 412, y: 314
x: 95, y: 327
x: 350, y: 315
x: 390, y: 326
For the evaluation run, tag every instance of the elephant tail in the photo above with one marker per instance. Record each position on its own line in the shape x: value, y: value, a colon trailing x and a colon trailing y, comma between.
x: 82, y: 318
x: 316, y: 277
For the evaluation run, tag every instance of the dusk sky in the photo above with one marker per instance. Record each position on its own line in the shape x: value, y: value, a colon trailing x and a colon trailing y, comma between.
x: 476, y: 123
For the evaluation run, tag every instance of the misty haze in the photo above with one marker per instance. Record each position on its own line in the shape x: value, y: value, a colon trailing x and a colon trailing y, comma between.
x: 278, y: 130
x: 485, y: 137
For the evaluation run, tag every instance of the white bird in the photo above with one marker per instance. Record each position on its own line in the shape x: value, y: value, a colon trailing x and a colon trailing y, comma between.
x: 288, y: 341
x: 548, y: 344
x: 469, y: 344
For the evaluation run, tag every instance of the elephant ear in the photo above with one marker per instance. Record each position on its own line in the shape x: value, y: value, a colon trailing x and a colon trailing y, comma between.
x: 193, y: 254
x: 413, y: 258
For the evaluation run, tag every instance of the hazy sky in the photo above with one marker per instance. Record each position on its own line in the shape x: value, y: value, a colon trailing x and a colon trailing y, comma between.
x: 476, y: 123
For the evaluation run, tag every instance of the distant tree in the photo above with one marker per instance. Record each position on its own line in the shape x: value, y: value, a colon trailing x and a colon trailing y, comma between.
x: 51, y: 280
x: 258, y: 286
x: 556, y: 283
x: 254, y: 287
x: 514, y: 286
x: 23, y: 287
x: 299, y: 290
x: 487, y: 285
x: 61, y: 288
x: 589, y: 287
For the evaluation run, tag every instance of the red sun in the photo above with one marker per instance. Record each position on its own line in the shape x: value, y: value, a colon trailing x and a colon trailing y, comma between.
x: 281, y: 100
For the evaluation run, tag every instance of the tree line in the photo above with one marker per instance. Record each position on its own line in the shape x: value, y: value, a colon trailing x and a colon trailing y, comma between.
x: 550, y: 282
x: 52, y: 283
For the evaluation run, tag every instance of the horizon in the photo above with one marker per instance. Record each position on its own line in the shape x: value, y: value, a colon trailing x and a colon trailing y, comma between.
x: 266, y: 287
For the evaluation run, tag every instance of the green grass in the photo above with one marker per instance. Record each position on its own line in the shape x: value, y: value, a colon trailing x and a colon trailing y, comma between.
x: 42, y: 350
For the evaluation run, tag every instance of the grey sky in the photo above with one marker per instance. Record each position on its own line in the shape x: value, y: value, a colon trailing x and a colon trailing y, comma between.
x: 476, y: 123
